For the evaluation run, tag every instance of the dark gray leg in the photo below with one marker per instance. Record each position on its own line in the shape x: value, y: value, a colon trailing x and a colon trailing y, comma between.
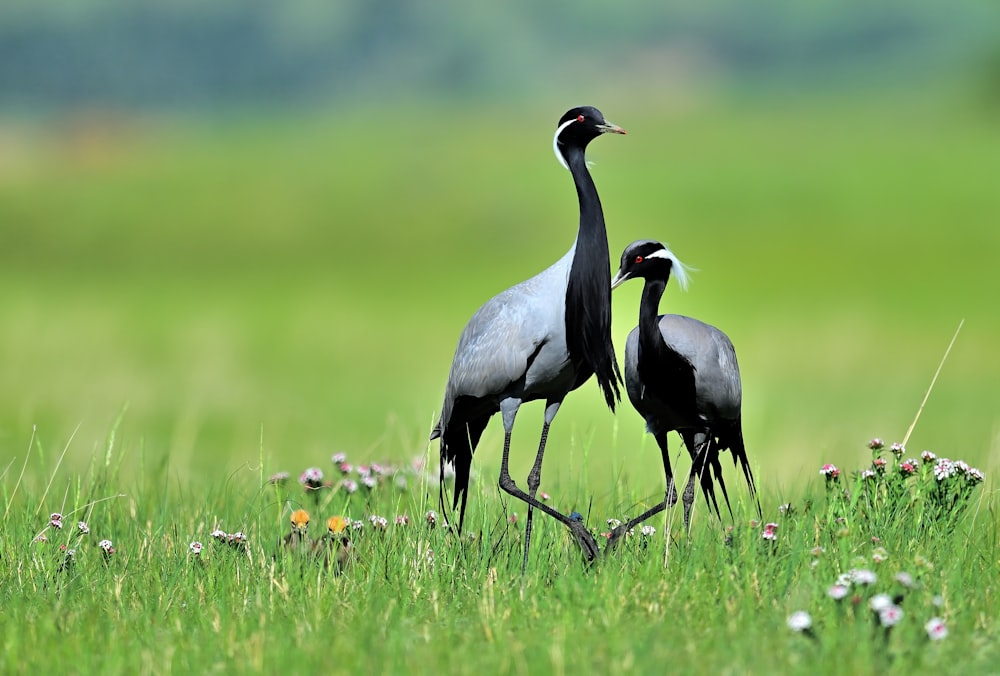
x: 535, y: 476
x: 698, y: 446
x: 508, y: 409
x: 669, y: 497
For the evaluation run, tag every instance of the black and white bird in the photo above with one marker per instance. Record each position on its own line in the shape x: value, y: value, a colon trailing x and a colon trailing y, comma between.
x: 540, y: 339
x: 681, y: 375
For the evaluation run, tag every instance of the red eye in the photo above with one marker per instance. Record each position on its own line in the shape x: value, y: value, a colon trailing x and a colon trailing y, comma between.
x: 579, y: 118
x: 638, y: 259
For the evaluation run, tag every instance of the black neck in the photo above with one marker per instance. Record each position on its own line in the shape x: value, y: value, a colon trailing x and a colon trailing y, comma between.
x: 650, y: 340
x: 664, y: 372
x: 588, y: 295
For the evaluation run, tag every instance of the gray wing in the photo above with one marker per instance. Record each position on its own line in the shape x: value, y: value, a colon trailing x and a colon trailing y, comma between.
x: 717, y: 373
x: 718, y: 390
x: 497, y: 344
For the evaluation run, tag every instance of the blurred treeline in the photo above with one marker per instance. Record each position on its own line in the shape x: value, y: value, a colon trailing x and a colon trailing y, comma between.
x: 186, y: 54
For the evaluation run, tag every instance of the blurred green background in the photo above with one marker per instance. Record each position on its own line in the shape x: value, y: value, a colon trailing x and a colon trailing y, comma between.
x: 253, y: 219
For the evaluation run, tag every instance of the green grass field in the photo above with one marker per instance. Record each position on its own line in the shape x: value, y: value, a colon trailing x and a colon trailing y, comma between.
x: 258, y: 294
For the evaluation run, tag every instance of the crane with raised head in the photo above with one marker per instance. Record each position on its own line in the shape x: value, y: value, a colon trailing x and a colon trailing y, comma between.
x: 540, y: 339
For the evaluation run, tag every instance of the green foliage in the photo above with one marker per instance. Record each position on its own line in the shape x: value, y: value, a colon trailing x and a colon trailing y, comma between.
x: 413, y: 593
x: 262, y: 293
x: 929, y: 493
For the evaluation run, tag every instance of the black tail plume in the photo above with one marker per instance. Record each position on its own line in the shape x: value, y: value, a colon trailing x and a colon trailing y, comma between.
x: 740, y: 458
x: 458, y: 442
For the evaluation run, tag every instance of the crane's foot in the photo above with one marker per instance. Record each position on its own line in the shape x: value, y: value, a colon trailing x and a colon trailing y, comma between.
x: 591, y: 552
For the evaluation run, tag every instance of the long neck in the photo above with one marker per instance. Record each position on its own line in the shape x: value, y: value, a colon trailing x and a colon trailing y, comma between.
x: 665, y: 373
x: 650, y: 340
x: 588, y: 294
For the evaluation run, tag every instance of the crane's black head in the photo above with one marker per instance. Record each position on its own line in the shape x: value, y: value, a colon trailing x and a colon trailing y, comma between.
x: 649, y: 259
x: 578, y: 127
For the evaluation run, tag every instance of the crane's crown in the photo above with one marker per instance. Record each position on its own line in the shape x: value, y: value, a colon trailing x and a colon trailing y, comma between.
x: 578, y: 127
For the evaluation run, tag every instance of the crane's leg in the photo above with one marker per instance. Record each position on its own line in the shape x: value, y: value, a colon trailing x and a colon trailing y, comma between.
x: 699, y: 445
x: 508, y: 409
x: 535, y: 475
x: 669, y: 497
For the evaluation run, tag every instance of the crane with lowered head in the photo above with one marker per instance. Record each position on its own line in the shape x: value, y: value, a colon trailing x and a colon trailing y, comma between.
x: 681, y: 375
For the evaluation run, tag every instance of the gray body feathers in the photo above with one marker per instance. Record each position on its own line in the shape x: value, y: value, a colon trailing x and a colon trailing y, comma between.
x: 718, y: 392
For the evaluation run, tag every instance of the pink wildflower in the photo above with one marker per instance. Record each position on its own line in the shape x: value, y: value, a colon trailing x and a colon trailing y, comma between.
x: 107, y: 546
x: 402, y: 520
x: 876, y: 444
x: 879, y: 602
x: 927, y: 457
x: 195, y: 548
x: 908, y: 468
x: 799, y: 621
x: 890, y: 615
x: 312, y: 479
x: 829, y: 471
x: 378, y: 522
x: 862, y: 576
x: 837, y: 592
x: 349, y: 485
x: 879, y: 465
x: 338, y: 458
x: 770, y: 531
x: 936, y: 629
x: 544, y: 496
x: 897, y: 450
x: 944, y: 469
x: 431, y: 518
x: 42, y: 538
x: 279, y: 478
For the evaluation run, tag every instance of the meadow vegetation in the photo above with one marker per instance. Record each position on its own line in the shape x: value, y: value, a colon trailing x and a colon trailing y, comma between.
x: 189, y: 309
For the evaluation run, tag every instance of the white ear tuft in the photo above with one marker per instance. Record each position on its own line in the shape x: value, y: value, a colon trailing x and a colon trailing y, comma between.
x: 555, y: 142
x: 677, y: 268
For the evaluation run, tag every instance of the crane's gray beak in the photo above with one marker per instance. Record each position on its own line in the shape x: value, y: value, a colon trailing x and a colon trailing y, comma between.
x: 608, y: 128
x: 618, y: 280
